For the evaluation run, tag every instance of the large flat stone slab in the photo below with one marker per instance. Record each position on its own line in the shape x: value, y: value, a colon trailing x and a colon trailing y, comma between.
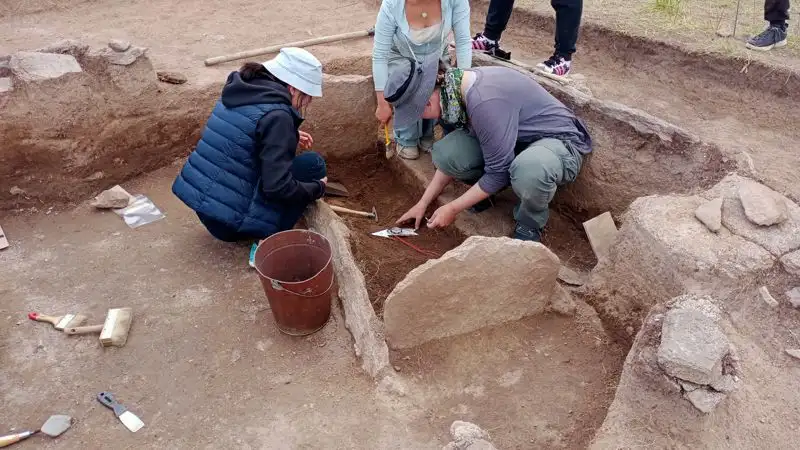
x: 780, y: 238
x: 35, y: 66
x: 485, y: 281
x: 692, y: 346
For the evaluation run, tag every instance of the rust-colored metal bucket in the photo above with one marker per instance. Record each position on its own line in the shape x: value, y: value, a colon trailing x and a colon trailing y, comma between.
x: 296, y: 272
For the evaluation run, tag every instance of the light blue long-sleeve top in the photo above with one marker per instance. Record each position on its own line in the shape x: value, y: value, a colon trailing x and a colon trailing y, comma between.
x: 392, y: 36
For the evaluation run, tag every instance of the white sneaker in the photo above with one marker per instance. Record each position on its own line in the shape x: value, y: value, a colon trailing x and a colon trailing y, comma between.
x: 426, y: 144
x: 411, y: 152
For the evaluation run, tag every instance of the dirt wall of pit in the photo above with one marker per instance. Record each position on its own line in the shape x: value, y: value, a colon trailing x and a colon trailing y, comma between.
x: 66, y: 138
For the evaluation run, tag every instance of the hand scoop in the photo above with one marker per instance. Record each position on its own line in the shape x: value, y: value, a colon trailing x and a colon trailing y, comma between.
x: 54, y: 426
x: 127, y: 418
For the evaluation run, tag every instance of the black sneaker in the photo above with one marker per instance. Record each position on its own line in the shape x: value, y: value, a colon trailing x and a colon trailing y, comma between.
x: 483, y: 205
x: 490, y: 47
x: 772, y: 37
x: 524, y: 233
x: 557, y: 65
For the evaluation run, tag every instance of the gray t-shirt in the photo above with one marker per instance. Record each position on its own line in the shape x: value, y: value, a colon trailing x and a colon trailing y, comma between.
x: 505, y: 109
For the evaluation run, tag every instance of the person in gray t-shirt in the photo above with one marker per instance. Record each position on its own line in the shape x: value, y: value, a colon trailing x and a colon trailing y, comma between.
x: 508, y: 130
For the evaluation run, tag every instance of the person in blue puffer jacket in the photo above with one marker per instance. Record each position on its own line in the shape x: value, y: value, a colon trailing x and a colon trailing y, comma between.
x: 244, y: 179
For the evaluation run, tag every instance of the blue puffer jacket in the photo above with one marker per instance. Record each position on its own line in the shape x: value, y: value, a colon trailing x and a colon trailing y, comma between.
x: 240, y: 172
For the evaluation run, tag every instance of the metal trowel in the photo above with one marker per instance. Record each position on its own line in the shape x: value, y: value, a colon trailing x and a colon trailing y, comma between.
x: 54, y: 426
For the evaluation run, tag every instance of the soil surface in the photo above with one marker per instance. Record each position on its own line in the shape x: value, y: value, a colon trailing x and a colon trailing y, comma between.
x: 541, y: 382
x: 384, y: 262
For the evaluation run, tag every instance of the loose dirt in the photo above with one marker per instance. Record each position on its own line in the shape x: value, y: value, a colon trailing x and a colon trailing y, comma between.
x: 384, y: 262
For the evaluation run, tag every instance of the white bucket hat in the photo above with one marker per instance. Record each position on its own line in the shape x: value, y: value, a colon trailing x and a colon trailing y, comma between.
x: 299, y: 68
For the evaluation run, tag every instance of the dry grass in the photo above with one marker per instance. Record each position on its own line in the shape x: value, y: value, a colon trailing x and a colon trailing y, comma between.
x: 693, y: 23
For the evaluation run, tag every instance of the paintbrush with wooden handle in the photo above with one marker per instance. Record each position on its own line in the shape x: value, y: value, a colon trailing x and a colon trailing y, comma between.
x: 59, y: 322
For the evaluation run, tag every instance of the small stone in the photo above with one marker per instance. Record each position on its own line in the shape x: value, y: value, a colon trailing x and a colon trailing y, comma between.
x: 116, y: 197
x: 118, y: 45
x: 767, y: 297
x: 629, y: 329
x: 724, y: 33
x: 171, y: 77
x: 602, y: 234
x: 125, y: 58
x: 15, y: 190
x: 762, y: 205
x: 704, y: 400
x: 571, y: 277
x: 794, y: 296
x: 793, y: 352
x: 397, y: 368
x: 99, y: 175
x: 726, y: 384
x: 710, y: 214
x: 791, y: 263
x: 692, y: 346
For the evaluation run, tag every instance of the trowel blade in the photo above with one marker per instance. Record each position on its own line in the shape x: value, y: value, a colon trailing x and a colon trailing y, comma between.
x: 56, y: 425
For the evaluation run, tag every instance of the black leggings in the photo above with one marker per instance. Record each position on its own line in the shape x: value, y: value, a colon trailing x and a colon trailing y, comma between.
x: 776, y: 12
x: 568, y: 20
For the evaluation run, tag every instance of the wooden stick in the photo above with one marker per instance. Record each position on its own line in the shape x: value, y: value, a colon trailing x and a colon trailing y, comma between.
x: 340, y: 209
x: 274, y: 48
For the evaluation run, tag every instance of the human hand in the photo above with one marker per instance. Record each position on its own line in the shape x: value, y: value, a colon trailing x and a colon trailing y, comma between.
x: 306, y: 141
x: 417, y: 212
x: 442, y: 217
x: 324, y: 180
x: 383, y: 112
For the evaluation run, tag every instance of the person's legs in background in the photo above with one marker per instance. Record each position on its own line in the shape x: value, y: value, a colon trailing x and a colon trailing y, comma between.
x: 308, y: 166
x: 221, y: 231
x: 408, y: 140
x: 776, y: 12
x: 568, y: 22
x: 496, y: 20
x: 535, y: 175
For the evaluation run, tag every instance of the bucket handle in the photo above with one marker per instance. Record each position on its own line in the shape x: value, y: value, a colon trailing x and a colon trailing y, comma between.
x: 279, y: 287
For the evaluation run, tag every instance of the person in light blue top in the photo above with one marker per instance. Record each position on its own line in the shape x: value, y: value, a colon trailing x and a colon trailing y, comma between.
x: 415, y: 29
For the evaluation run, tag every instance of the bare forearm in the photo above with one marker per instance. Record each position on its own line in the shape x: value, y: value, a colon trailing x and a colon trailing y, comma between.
x: 438, y: 183
x: 468, y: 199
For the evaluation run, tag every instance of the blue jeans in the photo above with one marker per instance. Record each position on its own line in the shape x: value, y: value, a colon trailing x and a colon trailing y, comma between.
x: 410, y: 136
x: 306, y: 167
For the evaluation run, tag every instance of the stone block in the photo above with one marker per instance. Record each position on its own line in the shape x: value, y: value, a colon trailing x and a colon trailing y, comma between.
x: 778, y: 239
x: 692, y: 346
x: 483, y: 282
x: 34, y: 66
x: 791, y: 263
x: 762, y: 205
x: 710, y: 214
x: 602, y: 233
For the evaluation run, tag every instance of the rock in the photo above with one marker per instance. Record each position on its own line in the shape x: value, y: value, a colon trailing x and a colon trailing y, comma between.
x: 710, y: 214
x: 762, y: 205
x: 793, y: 352
x: 468, y: 436
x: 459, y: 295
x: 6, y: 85
x: 15, y: 190
x: 791, y: 263
x: 726, y: 384
x: 602, y: 233
x: 763, y: 292
x: 705, y: 400
x: 116, y: 197
x: 794, y: 297
x: 118, y: 45
x: 171, y: 77
x: 571, y: 277
x: 692, y: 346
x: 778, y: 239
x: 562, y: 302
x: 33, y: 66
x: 696, y: 302
x: 688, y: 386
x: 125, y: 58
